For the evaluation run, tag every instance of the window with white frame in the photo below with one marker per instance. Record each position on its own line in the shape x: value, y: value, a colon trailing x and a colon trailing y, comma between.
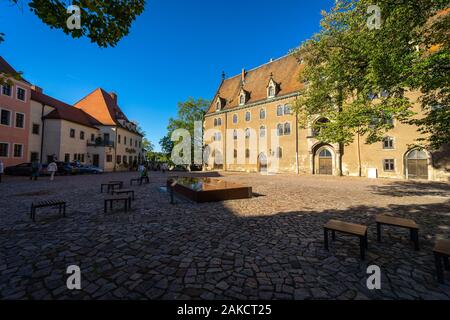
x: 280, y: 110
x: 218, y: 105
x: 287, y: 109
x: 20, y: 120
x: 242, y: 99
x: 18, y: 150
x: 287, y: 129
x: 4, y: 149
x: 219, y: 121
x: 36, y: 129
x: 5, y: 117
x: 7, y: 90
x: 271, y: 91
x: 262, y: 114
x: 215, y: 122
x: 235, y: 118
x: 262, y: 131
x: 280, y: 129
x: 388, y: 143
x: 248, y: 116
x: 21, y: 94
x: 389, y: 165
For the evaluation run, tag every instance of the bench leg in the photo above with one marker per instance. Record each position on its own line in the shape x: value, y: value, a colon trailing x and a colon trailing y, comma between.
x: 126, y: 205
x: 362, y: 247
x: 379, y: 232
x: 415, y: 238
x: 439, y: 269
x: 325, y: 237
x: 129, y: 203
x: 333, y: 235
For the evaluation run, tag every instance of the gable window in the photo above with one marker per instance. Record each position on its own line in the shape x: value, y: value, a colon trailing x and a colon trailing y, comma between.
x: 389, y: 165
x: 388, y: 143
x: 81, y: 135
x: 21, y: 94
x: 271, y: 91
x: 280, y: 110
x: 72, y: 133
x: 287, y: 129
x: 247, y: 116
x: 262, y: 131
x: 5, y: 117
x: 242, y: 99
x: 4, y: 147
x: 262, y: 114
x: 18, y: 149
x: 280, y: 129
x: 218, y: 105
x: 287, y: 109
x: 7, y: 90
x: 36, y: 129
x: 235, y: 118
x: 20, y: 120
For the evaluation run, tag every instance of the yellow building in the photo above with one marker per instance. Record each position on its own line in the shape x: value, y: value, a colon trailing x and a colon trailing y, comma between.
x: 250, y: 127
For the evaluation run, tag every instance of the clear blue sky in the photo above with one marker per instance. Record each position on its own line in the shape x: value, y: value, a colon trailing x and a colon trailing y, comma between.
x: 176, y: 49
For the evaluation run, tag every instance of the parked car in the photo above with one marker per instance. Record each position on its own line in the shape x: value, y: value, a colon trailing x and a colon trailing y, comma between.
x: 23, y: 169
x: 88, y: 169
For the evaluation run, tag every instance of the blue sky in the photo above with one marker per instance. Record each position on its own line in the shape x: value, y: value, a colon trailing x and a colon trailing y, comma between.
x: 176, y: 49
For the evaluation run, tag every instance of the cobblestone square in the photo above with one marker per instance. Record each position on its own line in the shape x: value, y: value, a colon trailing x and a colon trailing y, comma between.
x: 268, y: 247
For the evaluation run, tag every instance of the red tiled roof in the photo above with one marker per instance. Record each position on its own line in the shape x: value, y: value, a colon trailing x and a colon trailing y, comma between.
x: 285, y: 72
x: 64, y: 111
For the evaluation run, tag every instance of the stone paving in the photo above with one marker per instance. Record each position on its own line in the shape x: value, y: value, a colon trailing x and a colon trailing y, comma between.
x: 268, y: 247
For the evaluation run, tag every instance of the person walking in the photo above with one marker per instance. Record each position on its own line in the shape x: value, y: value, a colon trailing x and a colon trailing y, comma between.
x: 35, y: 167
x: 52, y: 168
x: 2, y: 168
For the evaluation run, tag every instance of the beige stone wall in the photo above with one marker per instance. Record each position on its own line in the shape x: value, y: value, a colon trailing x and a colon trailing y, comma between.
x: 35, y: 140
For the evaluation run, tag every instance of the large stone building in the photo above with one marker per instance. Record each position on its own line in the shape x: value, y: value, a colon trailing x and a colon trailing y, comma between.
x: 254, y: 109
x: 14, y: 115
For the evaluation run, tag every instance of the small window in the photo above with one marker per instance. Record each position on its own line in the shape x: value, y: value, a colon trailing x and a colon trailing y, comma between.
x: 280, y: 129
x: 248, y: 116
x: 215, y: 122
x: 72, y: 133
x: 20, y: 120
x: 235, y: 118
x: 218, y: 105
x: 389, y: 165
x: 219, y: 121
x: 82, y: 157
x: 262, y: 131
x: 18, y: 149
x: 235, y: 135
x: 135, y: 143
x: 262, y: 114
x: 280, y: 110
x: 4, y: 150
x: 287, y: 109
x: 247, y: 153
x: 389, y: 121
x: 81, y: 135
x: 21, y: 94
x: 287, y: 129
x: 119, y: 139
x: 124, y: 140
x: 109, y: 158
x: 247, y: 133
x: 66, y: 157
x: 242, y: 99
x: 7, y: 90
x: 119, y: 159
x: 279, y: 153
x: 5, y: 117
x: 271, y: 91
x: 36, y: 129
x: 75, y: 157
x: 388, y: 143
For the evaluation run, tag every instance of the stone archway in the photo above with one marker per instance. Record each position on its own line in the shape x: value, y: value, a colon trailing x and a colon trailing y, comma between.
x: 262, y: 163
x: 417, y: 164
x: 324, y: 160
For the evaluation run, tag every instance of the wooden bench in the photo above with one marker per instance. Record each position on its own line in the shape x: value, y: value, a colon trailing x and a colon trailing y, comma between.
x: 49, y: 203
x: 117, y: 183
x: 124, y: 191
x: 442, y: 254
x: 125, y: 199
x: 400, y: 223
x: 352, y: 229
x: 111, y: 186
x: 140, y: 180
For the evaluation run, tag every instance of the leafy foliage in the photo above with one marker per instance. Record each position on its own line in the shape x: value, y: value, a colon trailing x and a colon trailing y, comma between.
x: 357, y: 77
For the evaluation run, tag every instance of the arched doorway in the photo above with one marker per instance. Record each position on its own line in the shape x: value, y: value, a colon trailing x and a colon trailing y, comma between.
x: 262, y: 162
x: 417, y: 164
x: 325, y: 161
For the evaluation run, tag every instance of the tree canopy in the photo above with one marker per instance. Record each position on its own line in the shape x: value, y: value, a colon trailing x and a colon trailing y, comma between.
x: 357, y: 76
x: 104, y: 22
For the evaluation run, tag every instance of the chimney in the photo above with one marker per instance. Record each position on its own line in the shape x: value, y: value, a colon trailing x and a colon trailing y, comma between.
x: 113, y: 96
x: 243, y: 75
x: 37, y: 89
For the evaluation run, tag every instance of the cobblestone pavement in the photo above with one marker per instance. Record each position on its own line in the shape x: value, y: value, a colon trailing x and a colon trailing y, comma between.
x: 268, y: 247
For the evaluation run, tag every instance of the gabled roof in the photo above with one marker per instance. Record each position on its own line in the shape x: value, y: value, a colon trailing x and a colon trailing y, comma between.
x: 102, y: 106
x: 285, y: 72
x: 64, y: 111
x: 6, y: 68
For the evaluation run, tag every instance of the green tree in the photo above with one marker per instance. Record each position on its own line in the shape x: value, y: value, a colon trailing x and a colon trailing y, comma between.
x: 357, y: 76
x: 166, y: 144
x: 104, y: 22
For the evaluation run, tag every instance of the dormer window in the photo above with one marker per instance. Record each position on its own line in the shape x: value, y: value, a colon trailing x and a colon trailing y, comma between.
x: 242, y: 99
x: 243, y: 96
x: 272, y: 88
x: 218, y: 105
x: 271, y: 93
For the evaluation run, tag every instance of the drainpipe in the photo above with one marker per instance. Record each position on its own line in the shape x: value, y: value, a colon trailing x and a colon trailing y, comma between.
x: 43, y: 132
x: 296, y: 144
x: 225, y: 141
x: 115, y: 150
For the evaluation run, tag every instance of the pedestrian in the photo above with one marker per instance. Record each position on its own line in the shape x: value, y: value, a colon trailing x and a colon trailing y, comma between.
x: 35, y: 167
x: 52, y: 168
x: 2, y: 167
x: 164, y: 167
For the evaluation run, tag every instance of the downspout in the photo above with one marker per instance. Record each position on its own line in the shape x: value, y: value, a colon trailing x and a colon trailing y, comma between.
x: 115, y: 150
x: 225, y: 140
x: 43, y: 132
x: 296, y: 144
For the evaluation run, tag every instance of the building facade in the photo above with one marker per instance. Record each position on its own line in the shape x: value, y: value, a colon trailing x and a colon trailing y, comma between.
x: 14, y: 115
x: 255, y: 109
